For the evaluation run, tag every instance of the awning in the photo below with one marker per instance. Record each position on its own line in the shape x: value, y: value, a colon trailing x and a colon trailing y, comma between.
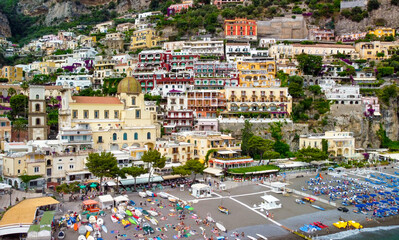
x: 214, y: 171
x: 105, y: 198
x: 90, y: 202
x: 78, y: 173
x: 170, y: 177
x: 140, y: 180
x: 119, y: 199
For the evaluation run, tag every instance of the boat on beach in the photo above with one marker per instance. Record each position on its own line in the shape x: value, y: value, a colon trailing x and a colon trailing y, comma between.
x: 317, y: 207
x: 223, y: 210
x: 143, y: 194
x: 163, y: 195
x: 221, y: 227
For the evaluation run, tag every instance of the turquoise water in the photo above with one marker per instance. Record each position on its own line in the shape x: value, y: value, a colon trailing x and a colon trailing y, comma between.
x: 385, y: 233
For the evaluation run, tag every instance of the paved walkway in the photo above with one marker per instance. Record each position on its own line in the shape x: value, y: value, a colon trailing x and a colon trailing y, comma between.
x: 5, y: 198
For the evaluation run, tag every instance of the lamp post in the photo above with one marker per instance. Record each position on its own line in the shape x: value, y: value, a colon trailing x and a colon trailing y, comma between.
x: 10, y: 196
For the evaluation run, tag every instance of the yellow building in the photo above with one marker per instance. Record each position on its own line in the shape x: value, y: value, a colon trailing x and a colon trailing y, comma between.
x: 273, y: 100
x: 376, y: 50
x: 44, y: 67
x: 13, y: 74
x: 383, y: 32
x: 255, y: 73
x: 339, y: 143
x: 115, y: 122
x: 175, y: 151
x: 145, y: 38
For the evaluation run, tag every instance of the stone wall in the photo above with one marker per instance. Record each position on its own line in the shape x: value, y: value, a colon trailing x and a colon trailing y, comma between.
x: 353, y: 3
x: 5, y: 29
x: 283, y: 28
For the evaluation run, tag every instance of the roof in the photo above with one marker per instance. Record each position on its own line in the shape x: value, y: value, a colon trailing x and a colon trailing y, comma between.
x: 96, y: 100
x: 324, y: 45
x: 129, y: 85
x: 90, y: 202
x: 121, y: 199
x: 106, y: 198
x: 24, y: 212
x: 237, y: 44
x: 199, y: 186
x: 270, y: 198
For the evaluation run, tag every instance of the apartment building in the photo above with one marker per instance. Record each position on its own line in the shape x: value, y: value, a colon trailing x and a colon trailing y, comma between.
x: 339, y: 143
x: 240, y: 28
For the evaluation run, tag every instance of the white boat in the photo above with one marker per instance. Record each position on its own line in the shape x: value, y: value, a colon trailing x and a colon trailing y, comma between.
x: 104, y: 228
x: 261, y: 236
x: 149, y: 193
x: 142, y: 194
x: 154, y: 221
x: 92, y: 219
x: 221, y: 227
x: 90, y: 238
x: 81, y: 237
x: 100, y: 221
x: 210, y: 219
x: 153, y: 213
x: 138, y: 213
x: 252, y: 238
x: 163, y: 195
x: 89, y: 229
x: 171, y: 199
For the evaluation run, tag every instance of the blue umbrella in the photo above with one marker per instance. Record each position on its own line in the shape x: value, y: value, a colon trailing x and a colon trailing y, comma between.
x: 390, y: 200
x: 366, y: 196
x: 358, y: 205
x: 397, y: 198
x: 386, y: 209
x: 383, y: 194
x: 395, y: 190
x: 331, y: 168
x: 359, y: 196
x: 383, y: 201
x: 394, y: 208
x: 376, y: 202
x: 380, y: 211
x: 387, y: 192
x: 373, y: 195
x: 369, y: 204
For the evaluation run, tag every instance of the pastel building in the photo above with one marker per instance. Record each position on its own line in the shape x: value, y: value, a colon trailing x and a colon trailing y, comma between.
x: 13, y: 74
x: 383, y: 32
x: 145, y: 38
x: 240, y: 28
x: 257, y: 73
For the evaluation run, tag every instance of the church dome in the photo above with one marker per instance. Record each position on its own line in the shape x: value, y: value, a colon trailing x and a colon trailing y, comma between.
x: 129, y: 85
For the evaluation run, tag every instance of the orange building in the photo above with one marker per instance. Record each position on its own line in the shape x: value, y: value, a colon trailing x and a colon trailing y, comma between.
x: 240, y: 28
x: 206, y: 103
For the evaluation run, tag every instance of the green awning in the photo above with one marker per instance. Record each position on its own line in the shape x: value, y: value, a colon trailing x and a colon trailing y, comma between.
x: 45, y: 223
x: 141, y: 180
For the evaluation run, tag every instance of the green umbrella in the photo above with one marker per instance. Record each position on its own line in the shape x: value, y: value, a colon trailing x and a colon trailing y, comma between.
x: 93, y: 185
x: 179, y: 208
x: 82, y: 186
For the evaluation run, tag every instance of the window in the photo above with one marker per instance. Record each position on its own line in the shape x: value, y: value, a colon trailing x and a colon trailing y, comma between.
x: 133, y: 100
x: 37, y: 121
x: 19, y: 161
x: 125, y: 136
x: 86, y: 114
x: 100, y: 139
x: 75, y: 114
x: 96, y: 114
x: 36, y: 169
x: 116, y: 114
x: 136, y: 136
x: 114, y: 137
x: 37, y: 107
x: 138, y: 114
x: 3, y: 124
x: 148, y: 135
x: 106, y: 114
x: 71, y: 166
x: 37, y: 96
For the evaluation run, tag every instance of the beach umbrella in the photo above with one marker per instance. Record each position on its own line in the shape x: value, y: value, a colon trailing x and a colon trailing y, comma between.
x: 380, y: 211
x: 93, y: 185
x: 82, y: 186
x: 387, y: 192
x: 179, y: 208
x: 390, y: 200
x: 376, y: 202
x: 394, y: 208
x: 381, y: 193
x: 385, y: 209
x: 397, y: 198
x: 359, y: 197
x: 395, y: 190
x: 383, y: 201
x: 366, y: 196
x: 373, y: 195
x: 369, y: 204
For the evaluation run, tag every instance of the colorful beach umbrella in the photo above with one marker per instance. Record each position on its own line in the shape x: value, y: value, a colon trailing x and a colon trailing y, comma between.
x: 82, y: 186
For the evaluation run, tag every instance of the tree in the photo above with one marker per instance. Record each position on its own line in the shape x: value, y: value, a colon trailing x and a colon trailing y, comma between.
x: 259, y: 145
x: 19, y: 125
x: 295, y: 86
x: 270, y: 155
x: 372, y: 5
x: 246, y: 133
x: 310, y: 64
x: 102, y: 165
x: 19, y: 106
x: 27, y: 178
x: 210, y: 151
x: 154, y: 160
x: 68, y: 188
x: 282, y: 148
x: 135, y: 172
x: 25, y: 85
x: 40, y: 79
x: 324, y: 145
x: 181, y: 171
x: 387, y: 93
x: 315, y: 89
x: 195, y: 167
x: 11, y: 92
x: 311, y: 154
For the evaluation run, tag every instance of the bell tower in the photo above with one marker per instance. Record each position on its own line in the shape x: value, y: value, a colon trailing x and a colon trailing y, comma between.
x: 37, y: 118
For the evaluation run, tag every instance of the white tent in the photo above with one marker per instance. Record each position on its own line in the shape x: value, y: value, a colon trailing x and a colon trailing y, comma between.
x: 200, y: 190
x: 270, y: 202
x: 106, y: 201
x: 120, y: 199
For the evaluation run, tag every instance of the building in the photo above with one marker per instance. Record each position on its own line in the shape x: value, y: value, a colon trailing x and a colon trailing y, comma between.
x: 383, y: 32
x: 177, y: 8
x: 240, y: 28
x: 116, y: 122
x: 350, y: 37
x: 115, y: 41
x: 103, y: 27
x: 124, y: 27
x: 284, y: 28
x: 74, y: 81
x: 376, y: 50
x: 266, y: 42
x: 339, y: 143
x: 213, y: 75
x: 205, y: 47
x: 175, y: 151
x: 178, y: 120
x: 172, y: 46
x: 13, y: 74
x: 206, y: 103
x: 371, y: 106
x: 220, y: 3
x: 325, y: 35
x: 258, y: 73
x: 237, y: 51
x: 349, y: 95
x: 37, y: 117
x: 206, y: 124
x: 225, y: 159
x: 273, y: 101
x: 145, y: 38
x: 5, y: 131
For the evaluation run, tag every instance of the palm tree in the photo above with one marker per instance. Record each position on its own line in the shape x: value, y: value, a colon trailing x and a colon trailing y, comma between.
x: 19, y: 125
x: 210, y: 151
x: 25, y: 86
x: 11, y: 92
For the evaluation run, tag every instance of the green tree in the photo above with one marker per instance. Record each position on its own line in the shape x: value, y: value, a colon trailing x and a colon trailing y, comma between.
x: 68, y: 188
x: 246, y: 134
x: 181, y: 171
x: 19, y: 107
x: 387, y: 93
x: 311, y: 154
x: 310, y: 64
x: 27, y: 178
x: 282, y: 148
x: 210, y: 151
x: 315, y: 89
x: 11, y: 92
x: 372, y: 5
x: 195, y: 167
x: 295, y: 86
x: 271, y: 155
x: 40, y: 79
x: 153, y: 159
x: 135, y: 172
x: 102, y: 165
x: 324, y: 145
x: 25, y: 85
x: 259, y: 145
x: 19, y: 126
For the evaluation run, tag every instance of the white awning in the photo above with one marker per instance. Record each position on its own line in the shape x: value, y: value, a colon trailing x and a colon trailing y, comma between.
x: 78, y: 173
x: 119, y: 199
x: 270, y: 198
x: 214, y: 171
x: 105, y: 198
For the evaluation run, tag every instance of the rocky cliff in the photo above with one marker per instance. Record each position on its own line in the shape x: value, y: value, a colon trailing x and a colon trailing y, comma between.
x: 5, y: 29
x: 57, y: 11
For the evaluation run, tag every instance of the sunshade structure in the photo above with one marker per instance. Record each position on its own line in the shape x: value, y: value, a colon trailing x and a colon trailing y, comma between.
x: 106, y: 201
x: 42, y: 230
x: 19, y: 218
x: 120, y: 199
x: 140, y: 180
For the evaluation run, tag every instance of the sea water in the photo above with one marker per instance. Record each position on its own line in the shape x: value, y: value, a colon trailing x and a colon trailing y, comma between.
x: 386, y: 233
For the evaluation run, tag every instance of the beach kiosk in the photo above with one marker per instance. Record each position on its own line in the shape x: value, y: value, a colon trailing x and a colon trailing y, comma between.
x: 270, y: 202
x: 106, y: 201
x: 200, y: 190
x: 91, y: 206
x: 120, y: 199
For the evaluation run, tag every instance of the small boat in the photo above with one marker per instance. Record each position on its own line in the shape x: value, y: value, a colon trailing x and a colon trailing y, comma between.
x: 132, y: 202
x: 133, y: 221
x: 90, y: 238
x: 145, y: 212
x: 138, y: 212
x: 147, y: 217
x: 89, y: 228
x: 81, y: 237
x: 153, y: 213
x: 149, y: 193
x: 125, y: 223
x: 82, y: 230
x: 154, y: 221
x: 261, y: 236
x: 221, y: 227
x: 114, y: 218
x: 100, y: 221
x: 75, y: 227
x: 104, y: 228
x: 142, y: 194
x: 61, y: 235
x: 321, y: 225
x: 87, y: 234
x: 163, y: 195
x: 317, y: 207
x: 129, y: 213
x: 299, y: 201
x: 223, y: 210
x: 251, y: 238
x: 92, y: 219
x: 210, y: 219
x: 171, y: 199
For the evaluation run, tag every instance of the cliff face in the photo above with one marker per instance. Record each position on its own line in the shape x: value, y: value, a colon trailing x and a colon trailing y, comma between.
x: 57, y: 11
x: 5, y: 29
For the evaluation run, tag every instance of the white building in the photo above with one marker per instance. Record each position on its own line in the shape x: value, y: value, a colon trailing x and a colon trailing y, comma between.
x: 205, y: 47
x: 344, y: 94
x: 237, y: 51
x: 176, y: 100
x: 266, y: 42
x: 171, y: 46
x: 75, y: 81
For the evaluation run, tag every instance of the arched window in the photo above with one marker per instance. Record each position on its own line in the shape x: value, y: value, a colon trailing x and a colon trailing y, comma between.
x: 125, y: 136
x: 37, y: 96
x: 37, y: 121
x: 37, y: 106
x: 136, y: 136
x: 114, y: 137
x: 148, y: 135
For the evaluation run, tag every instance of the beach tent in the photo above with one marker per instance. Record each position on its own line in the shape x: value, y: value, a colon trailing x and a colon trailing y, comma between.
x: 200, y: 190
x: 120, y: 199
x: 106, y: 201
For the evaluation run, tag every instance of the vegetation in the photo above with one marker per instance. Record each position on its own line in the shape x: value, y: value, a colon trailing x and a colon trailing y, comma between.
x: 154, y: 160
x: 310, y: 64
x: 279, y: 144
x: 259, y: 146
x: 246, y: 134
x: 295, y: 86
x: 68, y: 188
x: 135, y: 172
x: 253, y: 169
x: 388, y: 93
x: 102, y: 165
x: 385, y: 141
x: 27, y: 178
x: 311, y: 154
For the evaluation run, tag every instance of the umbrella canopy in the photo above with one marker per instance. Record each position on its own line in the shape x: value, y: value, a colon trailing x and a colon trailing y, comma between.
x: 82, y: 186
x: 383, y: 194
x: 369, y: 204
x: 376, y: 202
x: 373, y: 195
x: 380, y: 211
x: 82, y: 230
x: 395, y: 190
x: 93, y: 185
x: 390, y: 200
x: 383, y: 201
x: 387, y: 192
x: 394, y: 208
x: 366, y: 196
x: 397, y: 198
x: 179, y: 208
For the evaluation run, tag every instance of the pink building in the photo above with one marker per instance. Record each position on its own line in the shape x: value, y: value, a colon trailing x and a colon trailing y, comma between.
x: 350, y: 37
x: 317, y: 34
x: 177, y: 8
x: 371, y: 103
